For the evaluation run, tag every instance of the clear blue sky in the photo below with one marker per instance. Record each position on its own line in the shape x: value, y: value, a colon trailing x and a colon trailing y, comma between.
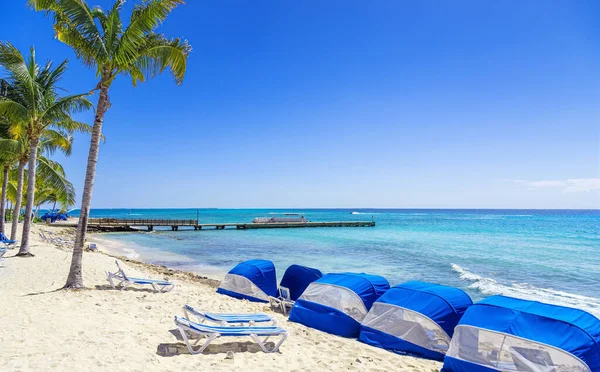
x: 347, y: 103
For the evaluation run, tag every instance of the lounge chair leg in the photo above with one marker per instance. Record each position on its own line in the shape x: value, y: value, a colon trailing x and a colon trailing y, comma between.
x: 167, y: 288
x: 127, y: 284
x: 189, y: 345
x: 110, y: 279
x: 263, y: 346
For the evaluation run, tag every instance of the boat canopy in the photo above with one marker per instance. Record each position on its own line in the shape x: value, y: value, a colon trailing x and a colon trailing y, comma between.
x: 253, y: 280
x: 337, y: 303
x: 508, y: 334
x: 415, y: 318
x: 297, y: 278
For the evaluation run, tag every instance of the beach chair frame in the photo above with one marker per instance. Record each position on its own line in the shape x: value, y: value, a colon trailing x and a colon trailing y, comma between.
x: 283, y: 301
x: 212, y: 333
x: 125, y: 281
x: 9, y: 244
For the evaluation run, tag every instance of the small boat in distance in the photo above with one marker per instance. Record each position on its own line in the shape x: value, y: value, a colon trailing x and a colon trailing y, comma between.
x: 289, y: 218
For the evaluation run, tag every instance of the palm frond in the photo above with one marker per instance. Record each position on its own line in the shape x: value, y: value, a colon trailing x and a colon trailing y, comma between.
x: 13, y: 111
x: 61, y: 108
x: 53, y: 174
x: 158, y: 53
x: 114, y: 27
x: 14, y: 63
x: 144, y: 19
x: 53, y: 140
x: 77, y: 14
x: 84, y: 50
x: 10, y: 148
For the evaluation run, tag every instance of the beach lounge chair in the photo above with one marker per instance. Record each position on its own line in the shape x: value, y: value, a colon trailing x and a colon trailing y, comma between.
x: 125, y: 281
x: 283, y: 301
x: 227, y: 319
x: 3, y: 252
x: 214, y: 332
x: 6, y: 241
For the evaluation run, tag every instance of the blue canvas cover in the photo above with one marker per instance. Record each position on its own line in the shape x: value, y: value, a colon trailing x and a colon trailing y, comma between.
x: 336, y: 303
x: 261, y: 274
x: 428, y: 335
x: 572, y: 330
x: 297, y: 278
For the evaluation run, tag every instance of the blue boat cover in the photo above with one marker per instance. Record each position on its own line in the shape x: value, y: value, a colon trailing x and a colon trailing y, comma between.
x: 336, y: 303
x: 571, y: 330
x: 442, y: 304
x: 297, y: 278
x: 261, y: 273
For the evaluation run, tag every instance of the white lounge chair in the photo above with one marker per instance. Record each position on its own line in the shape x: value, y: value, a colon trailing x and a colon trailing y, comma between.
x: 125, y: 281
x: 214, y: 332
x: 2, y: 252
x: 226, y: 319
x: 283, y: 301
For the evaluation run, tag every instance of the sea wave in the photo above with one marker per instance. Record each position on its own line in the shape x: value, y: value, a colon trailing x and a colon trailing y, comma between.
x: 489, y: 286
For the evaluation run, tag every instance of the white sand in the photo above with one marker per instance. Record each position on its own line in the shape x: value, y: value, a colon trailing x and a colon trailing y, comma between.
x: 101, y: 329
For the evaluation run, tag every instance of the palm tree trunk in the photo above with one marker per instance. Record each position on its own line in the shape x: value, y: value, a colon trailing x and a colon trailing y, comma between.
x: 33, y: 149
x: 17, y: 210
x: 3, y: 205
x: 75, y: 278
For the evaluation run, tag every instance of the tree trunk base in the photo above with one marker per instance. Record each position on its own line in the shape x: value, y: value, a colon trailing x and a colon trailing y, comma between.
x: 24, y: 255
x: 73, y: 287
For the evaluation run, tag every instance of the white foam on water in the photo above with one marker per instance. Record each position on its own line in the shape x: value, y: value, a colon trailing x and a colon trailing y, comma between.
x: 131, y: 253
x: 489, y: 286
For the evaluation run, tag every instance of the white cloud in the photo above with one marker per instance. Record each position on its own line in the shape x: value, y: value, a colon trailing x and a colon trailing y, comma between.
x: 569, y: 185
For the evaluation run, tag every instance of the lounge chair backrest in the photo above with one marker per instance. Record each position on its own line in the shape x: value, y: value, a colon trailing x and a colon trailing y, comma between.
x: 284, y: 292
x: 121, y: 270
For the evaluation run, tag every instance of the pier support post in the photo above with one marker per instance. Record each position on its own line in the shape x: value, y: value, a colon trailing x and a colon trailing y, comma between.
x: 150, y: 228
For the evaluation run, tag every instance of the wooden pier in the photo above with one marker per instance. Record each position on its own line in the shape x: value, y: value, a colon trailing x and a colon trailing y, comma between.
x: 117, y: 224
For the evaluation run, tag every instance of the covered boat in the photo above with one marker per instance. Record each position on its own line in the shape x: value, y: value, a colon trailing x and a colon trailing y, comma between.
x: 415, y: 318
x: 253, y: 280
x: 337, y: 303
x: 508, y: 334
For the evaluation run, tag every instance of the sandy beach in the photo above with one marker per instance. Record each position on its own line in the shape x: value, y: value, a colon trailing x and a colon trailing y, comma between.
x: 100, y: 329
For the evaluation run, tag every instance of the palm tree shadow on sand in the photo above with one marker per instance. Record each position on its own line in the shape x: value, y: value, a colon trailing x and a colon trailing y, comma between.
x: 106, y: 287
x: 173, y: 349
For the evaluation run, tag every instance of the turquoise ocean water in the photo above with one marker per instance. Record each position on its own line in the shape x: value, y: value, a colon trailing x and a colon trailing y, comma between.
x: 545, y: 255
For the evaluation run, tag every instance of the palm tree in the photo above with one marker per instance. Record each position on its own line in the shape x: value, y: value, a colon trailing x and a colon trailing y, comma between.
x: 101, y: 41
x: 6, y: 159
x: 33, y: 107
x: 9, y: 152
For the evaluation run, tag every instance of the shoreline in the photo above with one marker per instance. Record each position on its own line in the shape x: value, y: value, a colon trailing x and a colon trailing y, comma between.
x: 140, y: 254
x: 114, y: 250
